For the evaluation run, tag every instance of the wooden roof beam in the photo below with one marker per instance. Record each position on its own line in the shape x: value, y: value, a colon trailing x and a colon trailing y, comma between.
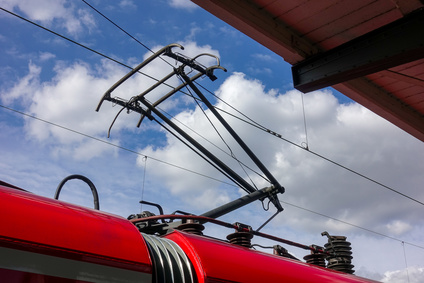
x: 258, y: 24
x: 397, y: 43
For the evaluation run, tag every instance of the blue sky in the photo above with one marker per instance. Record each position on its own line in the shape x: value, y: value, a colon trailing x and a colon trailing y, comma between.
x: 56, y: 81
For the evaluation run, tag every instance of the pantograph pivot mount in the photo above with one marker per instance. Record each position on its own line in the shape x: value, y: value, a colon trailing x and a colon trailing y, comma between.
x: 141, y: 105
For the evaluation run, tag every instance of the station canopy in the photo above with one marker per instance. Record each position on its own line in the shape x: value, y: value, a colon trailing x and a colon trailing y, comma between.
x: 372, y: 51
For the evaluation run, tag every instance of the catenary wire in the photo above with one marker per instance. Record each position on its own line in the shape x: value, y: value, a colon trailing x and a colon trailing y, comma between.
x: 252, y: 123
x: 265, y: 129
x: 196, y: 173
x: 79, y: 44
x: 304, y: 122
x: 123, y: 30
x: 353, y: 225
x: 223, y: 140
x: 258, y: 125
x: 197, y: 101
x: 114, y: 145
x: 214, y: 145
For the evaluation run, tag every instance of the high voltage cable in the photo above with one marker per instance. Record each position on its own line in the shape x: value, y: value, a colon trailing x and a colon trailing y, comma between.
x: 194, y: 172
x: 116, y: 25
x: 253, y: 123
x: 124, y: 31
x: 188, y: 91
x: 112, y: 144
x: 79, y: 44
x: 265, y: 129
x: 353, y: 225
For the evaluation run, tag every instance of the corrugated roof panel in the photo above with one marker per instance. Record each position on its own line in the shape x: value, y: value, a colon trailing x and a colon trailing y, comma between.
x: 265, y: 2
x: 301, y: 12
x: 343, y: 28
x: 328, y: 16
x: 298, y: 29
x: 359, y: 29
x: 413, y: 69
x: 279, y: 7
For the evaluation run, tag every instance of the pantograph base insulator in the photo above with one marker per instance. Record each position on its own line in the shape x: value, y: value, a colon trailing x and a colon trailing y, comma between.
x: 340, y: 254
x: 315, y: 259
x: 192, y: 227
x: 241, y: 239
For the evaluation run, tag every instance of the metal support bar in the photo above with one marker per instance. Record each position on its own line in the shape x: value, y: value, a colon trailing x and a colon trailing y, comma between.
x: 192, y: 63
x: 243, y: 183
x: 136, y: 102
x: 242, y: 144
x: 244, y: 200
x: 178, y: 88
x: 158, y: 83
x: 166, y: 49
x: 397, y: 43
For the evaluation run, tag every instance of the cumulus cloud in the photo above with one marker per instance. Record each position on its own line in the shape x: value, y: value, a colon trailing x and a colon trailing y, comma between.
x: 183, y: 4
x: 49, y: 12
x: 68, y: 100
x: 263, y: 57
x: 24, y: 87
x: 71, y: 96
x: 45, y: 56
x: 347, y: 134
x: 412, y: 274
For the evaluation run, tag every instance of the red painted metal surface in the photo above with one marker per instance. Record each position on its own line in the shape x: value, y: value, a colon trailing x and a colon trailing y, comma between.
x: 217, y: 261
x: 46, y: 240
x: 47, y: 229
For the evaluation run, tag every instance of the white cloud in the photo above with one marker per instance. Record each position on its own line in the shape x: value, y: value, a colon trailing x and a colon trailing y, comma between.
x: 61, y: 12
x: 263, y: 57
x: 71, y: 96
x: 193, y: 32
x: 398, y: 227
x: 348, y: 134
x: 127, y: 4
x: 412, y: 274
x: 68, y: 100
x: 183, y: 4
x: 24, y: 88
x: 45, y: 56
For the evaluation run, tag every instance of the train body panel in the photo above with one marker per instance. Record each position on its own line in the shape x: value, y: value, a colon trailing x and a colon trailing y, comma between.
x: 218, y: 261
x: 46, y: 240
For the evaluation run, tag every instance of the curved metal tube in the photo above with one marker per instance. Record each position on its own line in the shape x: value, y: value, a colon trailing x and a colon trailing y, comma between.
x: 178, y: 88
x: 163, y: 50
x: 87, y: 181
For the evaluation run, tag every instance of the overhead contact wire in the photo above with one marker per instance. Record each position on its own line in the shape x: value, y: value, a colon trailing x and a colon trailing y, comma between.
x: 114, y: 145
x: 193, y: 172
x: 121, y: 29
x: 252, y: 122
x: 81, y: 45
x: 353, y: 225
x: 223, y: 140
x: 263, y: 128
